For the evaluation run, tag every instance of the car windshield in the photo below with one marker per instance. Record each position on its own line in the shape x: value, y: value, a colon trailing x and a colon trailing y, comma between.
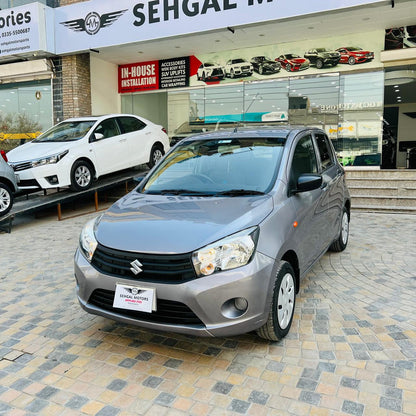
x: 353, y: 48
x: 237, y: 61
x: 292, y: 56
x: 66, y: 132
x: 230, y: 167
x: 321, y: 50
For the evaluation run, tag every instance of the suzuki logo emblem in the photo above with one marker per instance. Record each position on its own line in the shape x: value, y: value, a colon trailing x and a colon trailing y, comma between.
x: 135, y: 267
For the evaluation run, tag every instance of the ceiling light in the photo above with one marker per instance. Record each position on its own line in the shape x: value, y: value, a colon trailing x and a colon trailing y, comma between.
x: 399, y: 77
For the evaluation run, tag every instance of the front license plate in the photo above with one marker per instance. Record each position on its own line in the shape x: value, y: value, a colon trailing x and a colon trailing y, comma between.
x: 135, y: 298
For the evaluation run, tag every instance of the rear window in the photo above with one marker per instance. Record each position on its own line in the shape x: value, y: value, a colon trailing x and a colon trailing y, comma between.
x: 130, y: 124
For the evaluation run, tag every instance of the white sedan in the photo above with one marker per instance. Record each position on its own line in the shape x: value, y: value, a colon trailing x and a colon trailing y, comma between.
x: 78, y: 150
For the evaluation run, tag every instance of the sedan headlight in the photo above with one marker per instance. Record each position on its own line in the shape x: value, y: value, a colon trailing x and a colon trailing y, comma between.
x: 87, y: 241
x: 48, y: 159
x: 229, y: 253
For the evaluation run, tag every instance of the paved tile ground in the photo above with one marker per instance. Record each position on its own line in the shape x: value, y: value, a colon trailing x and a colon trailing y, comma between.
x: 351, y: 350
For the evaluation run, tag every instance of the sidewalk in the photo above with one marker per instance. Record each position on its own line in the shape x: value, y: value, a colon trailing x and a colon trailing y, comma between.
x: 351, y: 349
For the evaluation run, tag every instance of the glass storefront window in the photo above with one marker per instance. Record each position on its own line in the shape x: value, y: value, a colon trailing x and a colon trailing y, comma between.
x: 348, y: 107
x: 25, y: 110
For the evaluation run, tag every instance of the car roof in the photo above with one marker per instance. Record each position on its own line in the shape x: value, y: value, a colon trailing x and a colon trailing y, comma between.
x: 99, y: 117
x: 250, y: 132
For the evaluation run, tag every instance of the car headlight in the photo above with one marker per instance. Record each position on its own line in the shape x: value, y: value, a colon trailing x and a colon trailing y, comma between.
x: 48, y: 159
x: 229, y: 253
x: 87, y: 241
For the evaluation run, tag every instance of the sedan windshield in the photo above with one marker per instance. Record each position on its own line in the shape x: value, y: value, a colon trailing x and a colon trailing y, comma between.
x: 66, y: 132
x: 230, y: 167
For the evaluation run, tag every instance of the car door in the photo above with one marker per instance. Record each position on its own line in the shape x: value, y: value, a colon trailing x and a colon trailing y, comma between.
x: 110, y: 148
x: 140, y: 139
x: 333, y: 182
x: 311, y: 206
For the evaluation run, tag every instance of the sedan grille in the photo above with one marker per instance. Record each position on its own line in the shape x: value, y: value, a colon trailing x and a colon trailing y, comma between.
x: 168, y: 311
x: 245, y: 68
x: 164, y: 268
x: 21, y: 166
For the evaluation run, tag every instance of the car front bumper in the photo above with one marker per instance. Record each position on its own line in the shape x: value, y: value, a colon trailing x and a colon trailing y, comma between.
x: 209, y: 300
x: 47, y: 176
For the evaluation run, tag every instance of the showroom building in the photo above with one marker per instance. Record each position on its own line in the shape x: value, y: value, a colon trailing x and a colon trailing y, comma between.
x: 346, y: 66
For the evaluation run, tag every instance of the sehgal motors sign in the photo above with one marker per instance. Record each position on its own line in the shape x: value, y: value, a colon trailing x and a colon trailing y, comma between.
x: 101, y: 23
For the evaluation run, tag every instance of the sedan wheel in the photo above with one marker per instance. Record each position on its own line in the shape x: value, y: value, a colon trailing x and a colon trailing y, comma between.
x: 81, y: 176
x: 351, y: 60
x: 6, y: 199
x: 319, y: 64
x: 283, y: 305
x: 155, y: 155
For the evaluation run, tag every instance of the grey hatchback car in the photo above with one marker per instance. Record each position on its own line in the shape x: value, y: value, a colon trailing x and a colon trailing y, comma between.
x: 215, y: 239
x: 8, y: 185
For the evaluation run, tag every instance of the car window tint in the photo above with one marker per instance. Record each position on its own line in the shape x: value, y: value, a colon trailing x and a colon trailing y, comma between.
x: 130, y: 124
x: 304, y: 159
x: 324, y: 151
x: 108, y: 128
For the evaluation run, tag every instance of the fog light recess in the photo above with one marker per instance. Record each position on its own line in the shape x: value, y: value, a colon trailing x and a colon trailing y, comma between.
x: 234, y: 308
x: 53, y: 180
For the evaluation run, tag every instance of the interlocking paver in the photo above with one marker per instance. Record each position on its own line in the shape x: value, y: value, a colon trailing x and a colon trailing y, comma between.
x: 351, y: 349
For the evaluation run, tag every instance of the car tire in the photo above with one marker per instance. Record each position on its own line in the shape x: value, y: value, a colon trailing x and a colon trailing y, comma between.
x: 6, y: 199
x: 261, y: 70
x: 232, y: 75
x: 351, y: 60
x: 155, y: 155
x: 81, y: 175
x: 282, y: 307
x: 288, y: 67
x: 319, y: 64
x: 342, y: 240
x: 203, y: 77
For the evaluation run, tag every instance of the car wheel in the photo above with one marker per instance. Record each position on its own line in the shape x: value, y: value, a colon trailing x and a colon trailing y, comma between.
x: 261, y: 70
x: 288, y: 67
x: 351, y: 60
x: 81, y: 175
x: 319, y: 64
x: 6, y: 199
x: 232, y: 75
x: 155, y: 155
x: 203, y: 77
x: 342, y: 240
x: 282, y: 306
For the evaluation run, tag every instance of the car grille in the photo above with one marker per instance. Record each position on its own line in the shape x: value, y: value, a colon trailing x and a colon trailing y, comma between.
x: 164, y: 268
x: 21, y: 166
x: 168, y: 311
x: 245, y: 68
x: 216, y: 72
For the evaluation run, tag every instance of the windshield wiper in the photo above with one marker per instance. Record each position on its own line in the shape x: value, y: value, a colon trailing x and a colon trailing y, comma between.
x: 239, y: 192
x: 180, y: 192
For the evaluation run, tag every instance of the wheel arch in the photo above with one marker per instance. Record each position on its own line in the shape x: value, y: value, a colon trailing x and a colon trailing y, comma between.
x: 291, y: 257
x: 88, y: 160
x: 8, y: 183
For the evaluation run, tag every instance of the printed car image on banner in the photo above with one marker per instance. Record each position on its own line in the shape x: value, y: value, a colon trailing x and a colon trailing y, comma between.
x: 154, y: 75
x: 309, y: 57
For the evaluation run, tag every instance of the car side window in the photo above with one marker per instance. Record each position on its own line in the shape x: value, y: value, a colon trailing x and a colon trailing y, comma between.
x: 130, y: 124
x: 108, y: 128
x: 326, y: 156
x: 304, y: 160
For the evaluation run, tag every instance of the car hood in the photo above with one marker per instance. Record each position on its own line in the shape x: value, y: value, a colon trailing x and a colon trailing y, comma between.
x: 297, y: 60
x: 34, y: 150
x: 177, y: 224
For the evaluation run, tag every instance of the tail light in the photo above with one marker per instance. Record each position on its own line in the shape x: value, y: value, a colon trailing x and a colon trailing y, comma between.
x: 164, y: 130
x: 3, y: 154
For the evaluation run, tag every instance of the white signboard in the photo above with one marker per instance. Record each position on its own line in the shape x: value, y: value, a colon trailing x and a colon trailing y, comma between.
x: 23, y: 30
x: 100, y: 23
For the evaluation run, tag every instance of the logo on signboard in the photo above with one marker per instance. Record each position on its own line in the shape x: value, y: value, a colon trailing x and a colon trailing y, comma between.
x: 93, y: 22
x: 135, y: 267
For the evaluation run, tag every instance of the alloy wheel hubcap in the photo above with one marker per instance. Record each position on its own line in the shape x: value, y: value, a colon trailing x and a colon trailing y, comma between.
x: 83, y: 176
x: 157, y: 155
x: 4, y: 200
x: 286, y: 300
x: 344, y: 228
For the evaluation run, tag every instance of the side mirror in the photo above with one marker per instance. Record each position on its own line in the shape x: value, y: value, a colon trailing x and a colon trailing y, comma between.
x: 308, y: 182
